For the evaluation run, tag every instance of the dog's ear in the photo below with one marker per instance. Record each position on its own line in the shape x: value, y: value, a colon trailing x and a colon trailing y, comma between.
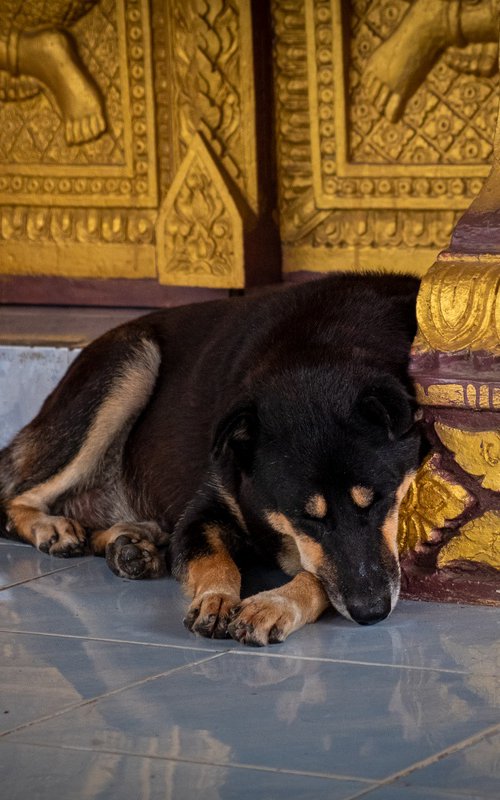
x: 236, y: 434
x: 387, y: 406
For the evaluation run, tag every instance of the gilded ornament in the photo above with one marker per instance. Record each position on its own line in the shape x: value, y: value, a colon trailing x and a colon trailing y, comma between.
x: 477, y: 396
x: 213, y: 86
x: 450, y: 394
x: 199, y: 231
x: 432, y: 502
x: 400, y: 65
x: 478, y: 541
x: 457, y: 305
x: 477, y: 452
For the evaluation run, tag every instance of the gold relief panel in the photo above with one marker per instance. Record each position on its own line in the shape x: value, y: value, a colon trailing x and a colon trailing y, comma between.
x: 387, y: 125
x: 80, y: 130
x: 386, y: 115
x: 101, y: 102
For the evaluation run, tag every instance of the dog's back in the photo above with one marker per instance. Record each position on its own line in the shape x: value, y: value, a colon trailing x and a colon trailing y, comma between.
x: 212, y: 353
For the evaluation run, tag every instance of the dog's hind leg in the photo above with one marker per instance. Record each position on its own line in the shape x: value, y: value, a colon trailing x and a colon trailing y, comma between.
x: 59, y: 453
x: 132, y: 549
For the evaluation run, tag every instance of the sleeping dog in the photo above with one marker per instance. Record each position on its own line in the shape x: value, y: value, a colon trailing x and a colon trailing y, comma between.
x: 278, y: 428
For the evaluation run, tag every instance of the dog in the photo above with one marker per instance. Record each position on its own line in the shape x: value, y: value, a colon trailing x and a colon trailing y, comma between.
x: 278, y: 428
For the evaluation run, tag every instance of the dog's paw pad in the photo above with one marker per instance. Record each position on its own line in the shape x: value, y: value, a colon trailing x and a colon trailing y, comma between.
x: 130, y: 556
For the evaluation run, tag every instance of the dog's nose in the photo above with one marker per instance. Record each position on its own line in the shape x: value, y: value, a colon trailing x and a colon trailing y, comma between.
x: 365, y: 614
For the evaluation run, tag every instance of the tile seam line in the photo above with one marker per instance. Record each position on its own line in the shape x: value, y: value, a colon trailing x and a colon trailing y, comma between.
x: 104, y: 640
x: 463, y: 744
x: 249, y: 652
x: 352, y: 662
x: 37, y: 577
x: 224, y: 764
x: 112, y: 693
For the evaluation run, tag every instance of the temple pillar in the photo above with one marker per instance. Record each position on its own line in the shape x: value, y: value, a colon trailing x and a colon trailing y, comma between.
x: 450, y: 524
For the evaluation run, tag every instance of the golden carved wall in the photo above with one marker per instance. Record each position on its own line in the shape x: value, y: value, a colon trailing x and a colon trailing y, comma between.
x: 132, y: 139
x: 128, y: 142
x: 385, y: 120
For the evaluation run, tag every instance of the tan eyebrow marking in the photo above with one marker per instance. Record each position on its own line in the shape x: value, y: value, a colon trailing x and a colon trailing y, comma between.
x: 316, y: 506
x: 362, y: 496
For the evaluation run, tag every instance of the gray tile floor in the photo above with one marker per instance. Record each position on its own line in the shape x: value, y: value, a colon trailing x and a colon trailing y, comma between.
x: 104, y: 694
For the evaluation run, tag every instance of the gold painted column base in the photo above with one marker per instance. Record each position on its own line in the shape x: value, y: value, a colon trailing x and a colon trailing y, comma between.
x: 450, y: 519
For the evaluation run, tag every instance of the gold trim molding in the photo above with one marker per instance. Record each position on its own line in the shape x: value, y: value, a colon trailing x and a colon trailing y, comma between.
x: 475, y: 396
x: 459, y: 306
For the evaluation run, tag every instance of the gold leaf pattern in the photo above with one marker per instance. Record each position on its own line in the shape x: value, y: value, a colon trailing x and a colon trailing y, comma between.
x: 478, y: 541
x: 477, y: 452
x: 432, y: 501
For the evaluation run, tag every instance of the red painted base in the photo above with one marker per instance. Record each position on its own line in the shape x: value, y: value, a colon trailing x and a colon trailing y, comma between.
x: 474, y: 585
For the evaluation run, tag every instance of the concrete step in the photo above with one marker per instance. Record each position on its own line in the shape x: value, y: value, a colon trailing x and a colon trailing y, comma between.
x: 37, y: 345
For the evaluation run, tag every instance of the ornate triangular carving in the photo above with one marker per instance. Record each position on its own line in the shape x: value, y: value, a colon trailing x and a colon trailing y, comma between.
x: 199, y: 231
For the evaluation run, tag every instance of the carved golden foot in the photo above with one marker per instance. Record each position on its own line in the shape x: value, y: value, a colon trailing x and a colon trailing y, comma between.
x: 398, y: 67
x: 51, y: 57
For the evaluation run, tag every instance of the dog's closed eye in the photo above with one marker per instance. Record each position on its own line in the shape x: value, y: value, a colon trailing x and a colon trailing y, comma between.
x: 363, y: 496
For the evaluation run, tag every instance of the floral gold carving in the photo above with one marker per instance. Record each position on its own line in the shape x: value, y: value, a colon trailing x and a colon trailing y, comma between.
x: 477, y: 452
x: 478, y: 541
x: 199, y: 229
x: 214, y: 95
x: 434, y: 499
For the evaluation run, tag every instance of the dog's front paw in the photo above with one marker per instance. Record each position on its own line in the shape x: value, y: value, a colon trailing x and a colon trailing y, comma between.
x: 59, y: 536
x: 265, y: 618
x: 133, y: 556
x: 209, y: 614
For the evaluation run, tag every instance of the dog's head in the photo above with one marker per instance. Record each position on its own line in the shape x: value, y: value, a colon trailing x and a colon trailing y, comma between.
x: 325, y: 461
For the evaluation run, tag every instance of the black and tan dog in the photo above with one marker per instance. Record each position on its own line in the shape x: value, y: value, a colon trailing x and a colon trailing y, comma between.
x: 278, y: 427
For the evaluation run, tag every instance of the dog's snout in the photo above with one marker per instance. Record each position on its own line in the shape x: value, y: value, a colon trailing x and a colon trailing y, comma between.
x: 369, y: 613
